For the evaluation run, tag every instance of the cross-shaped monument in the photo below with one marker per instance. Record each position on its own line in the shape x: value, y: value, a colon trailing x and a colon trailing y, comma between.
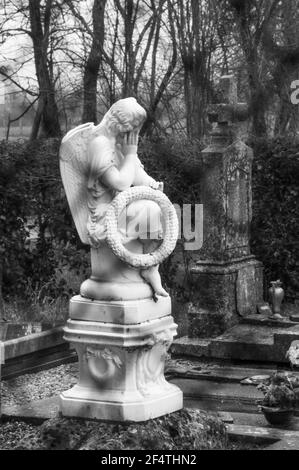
x: 227, y: 277
x: 229, y: 111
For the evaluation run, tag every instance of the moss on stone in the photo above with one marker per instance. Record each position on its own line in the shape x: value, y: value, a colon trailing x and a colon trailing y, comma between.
x: 185, y: 429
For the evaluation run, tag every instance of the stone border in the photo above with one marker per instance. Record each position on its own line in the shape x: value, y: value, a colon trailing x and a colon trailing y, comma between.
x: 31, y: 343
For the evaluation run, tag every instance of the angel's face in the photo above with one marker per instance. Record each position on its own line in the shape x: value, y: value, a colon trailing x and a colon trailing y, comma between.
x: 121, y: 135
x: 120, y: 138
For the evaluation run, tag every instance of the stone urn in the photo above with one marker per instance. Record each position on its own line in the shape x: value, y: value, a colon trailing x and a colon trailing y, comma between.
x: 276, y: 296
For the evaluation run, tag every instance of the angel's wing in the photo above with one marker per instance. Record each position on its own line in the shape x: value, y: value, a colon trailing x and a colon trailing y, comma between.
x: 74, y: 173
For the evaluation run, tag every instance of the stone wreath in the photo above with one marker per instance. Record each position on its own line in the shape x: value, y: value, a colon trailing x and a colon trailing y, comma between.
x: 114, y: 239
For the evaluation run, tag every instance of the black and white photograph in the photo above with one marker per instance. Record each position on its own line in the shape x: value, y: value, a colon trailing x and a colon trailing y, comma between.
x: 149, y: 229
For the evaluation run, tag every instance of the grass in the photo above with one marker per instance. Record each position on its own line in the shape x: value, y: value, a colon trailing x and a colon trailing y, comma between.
x: 19, y: 310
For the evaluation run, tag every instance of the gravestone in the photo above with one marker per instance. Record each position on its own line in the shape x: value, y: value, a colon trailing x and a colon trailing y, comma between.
x: 228, y: 280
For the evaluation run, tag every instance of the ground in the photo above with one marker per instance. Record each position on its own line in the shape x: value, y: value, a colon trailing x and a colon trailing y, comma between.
x: 187, y: 429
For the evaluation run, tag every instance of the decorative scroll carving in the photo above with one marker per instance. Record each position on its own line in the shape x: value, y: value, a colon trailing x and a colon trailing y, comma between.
x: 150, y: 364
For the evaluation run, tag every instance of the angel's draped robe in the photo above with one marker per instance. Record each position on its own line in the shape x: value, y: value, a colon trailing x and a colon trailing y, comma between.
x: 141, y: 219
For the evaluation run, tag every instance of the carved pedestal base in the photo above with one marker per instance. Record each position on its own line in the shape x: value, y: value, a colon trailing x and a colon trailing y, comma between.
x: 121, y: 364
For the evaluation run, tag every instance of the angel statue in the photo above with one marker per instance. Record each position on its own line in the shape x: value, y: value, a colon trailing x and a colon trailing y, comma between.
x: 98, y: 163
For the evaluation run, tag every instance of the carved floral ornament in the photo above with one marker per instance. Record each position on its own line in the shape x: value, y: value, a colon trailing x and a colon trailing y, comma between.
x: 105, y: 368
x: 105, y: 353
x: 239, y: 160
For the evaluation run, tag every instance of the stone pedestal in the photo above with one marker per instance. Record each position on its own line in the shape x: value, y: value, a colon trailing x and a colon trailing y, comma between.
x: 122, y: 346
x: 224, y: 293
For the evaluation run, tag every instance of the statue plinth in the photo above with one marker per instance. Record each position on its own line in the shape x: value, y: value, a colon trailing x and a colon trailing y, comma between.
x: 122, y: 346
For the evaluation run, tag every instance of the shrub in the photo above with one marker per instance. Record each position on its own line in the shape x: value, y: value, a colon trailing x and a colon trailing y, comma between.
x: 31, y: 191
x: 275, y: 223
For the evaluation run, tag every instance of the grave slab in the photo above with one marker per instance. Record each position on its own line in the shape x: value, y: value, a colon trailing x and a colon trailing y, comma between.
x: 244, y: 342
x: 37, y: 410
x: 279, y: 438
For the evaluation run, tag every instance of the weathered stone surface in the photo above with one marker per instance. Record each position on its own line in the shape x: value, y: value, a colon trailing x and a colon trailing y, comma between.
x: 33, y: 342
x: 205, y: 324
x: 219, y: 396
x: 249, y: 287
x: 278, y: 438
x: 185, y: 346
x: 185, y: 429
x: 265, y: 320
x: 261, y: 343
x: 226, y: 197
x: 225, y: 292
x: 38, y: 410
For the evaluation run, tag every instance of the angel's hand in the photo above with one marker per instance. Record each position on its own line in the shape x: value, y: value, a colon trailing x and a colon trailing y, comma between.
x: 157, y: 185
x: 130, y: 143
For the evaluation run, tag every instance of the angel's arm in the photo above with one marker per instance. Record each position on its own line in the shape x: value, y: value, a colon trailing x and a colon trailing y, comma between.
x: 121, y: 178
x: 143, y: 179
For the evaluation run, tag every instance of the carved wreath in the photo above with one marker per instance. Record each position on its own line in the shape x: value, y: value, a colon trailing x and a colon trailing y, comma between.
x: 113, y: 237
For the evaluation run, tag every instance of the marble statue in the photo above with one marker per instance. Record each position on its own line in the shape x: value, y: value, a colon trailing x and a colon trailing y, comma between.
x: 121, y: 323
x: 98, y: 162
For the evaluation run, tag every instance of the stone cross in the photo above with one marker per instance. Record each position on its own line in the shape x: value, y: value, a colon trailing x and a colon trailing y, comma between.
x: 227, y: 278
x: 229, y: 113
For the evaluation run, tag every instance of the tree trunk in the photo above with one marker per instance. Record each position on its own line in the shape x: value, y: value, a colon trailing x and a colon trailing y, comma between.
x: 2, y: 312
x: 194, y: 32
x: 40, y: 38
x: 93, y: 63
x: 129, y: 49
x: 250, y: 39
x: 257, y: 103
x: 37, y: 119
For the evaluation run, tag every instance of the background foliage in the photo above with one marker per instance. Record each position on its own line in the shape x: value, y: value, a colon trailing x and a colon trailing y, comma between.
x: 53, y: 266
x: 275, y: 224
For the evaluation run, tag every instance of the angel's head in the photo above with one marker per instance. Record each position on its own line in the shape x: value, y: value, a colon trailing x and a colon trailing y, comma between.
x: 124, y: 116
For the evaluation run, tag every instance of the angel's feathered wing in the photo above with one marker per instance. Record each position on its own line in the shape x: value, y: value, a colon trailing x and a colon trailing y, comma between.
x: 74, y: 172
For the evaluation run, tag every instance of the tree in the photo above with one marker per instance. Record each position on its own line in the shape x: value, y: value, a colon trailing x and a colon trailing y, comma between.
x: 196, y: 32
x: 93, y: 62
x: 281, y: 43
x: 252, y: 17
x: 47, y: 111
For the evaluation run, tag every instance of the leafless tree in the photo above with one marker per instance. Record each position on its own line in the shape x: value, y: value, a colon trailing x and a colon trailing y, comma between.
x: 252, y: 17
x: 196, y: 33
x: 47, y: 111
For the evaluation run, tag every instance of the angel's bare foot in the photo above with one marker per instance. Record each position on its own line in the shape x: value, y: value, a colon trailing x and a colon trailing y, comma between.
x: 152, y: 276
